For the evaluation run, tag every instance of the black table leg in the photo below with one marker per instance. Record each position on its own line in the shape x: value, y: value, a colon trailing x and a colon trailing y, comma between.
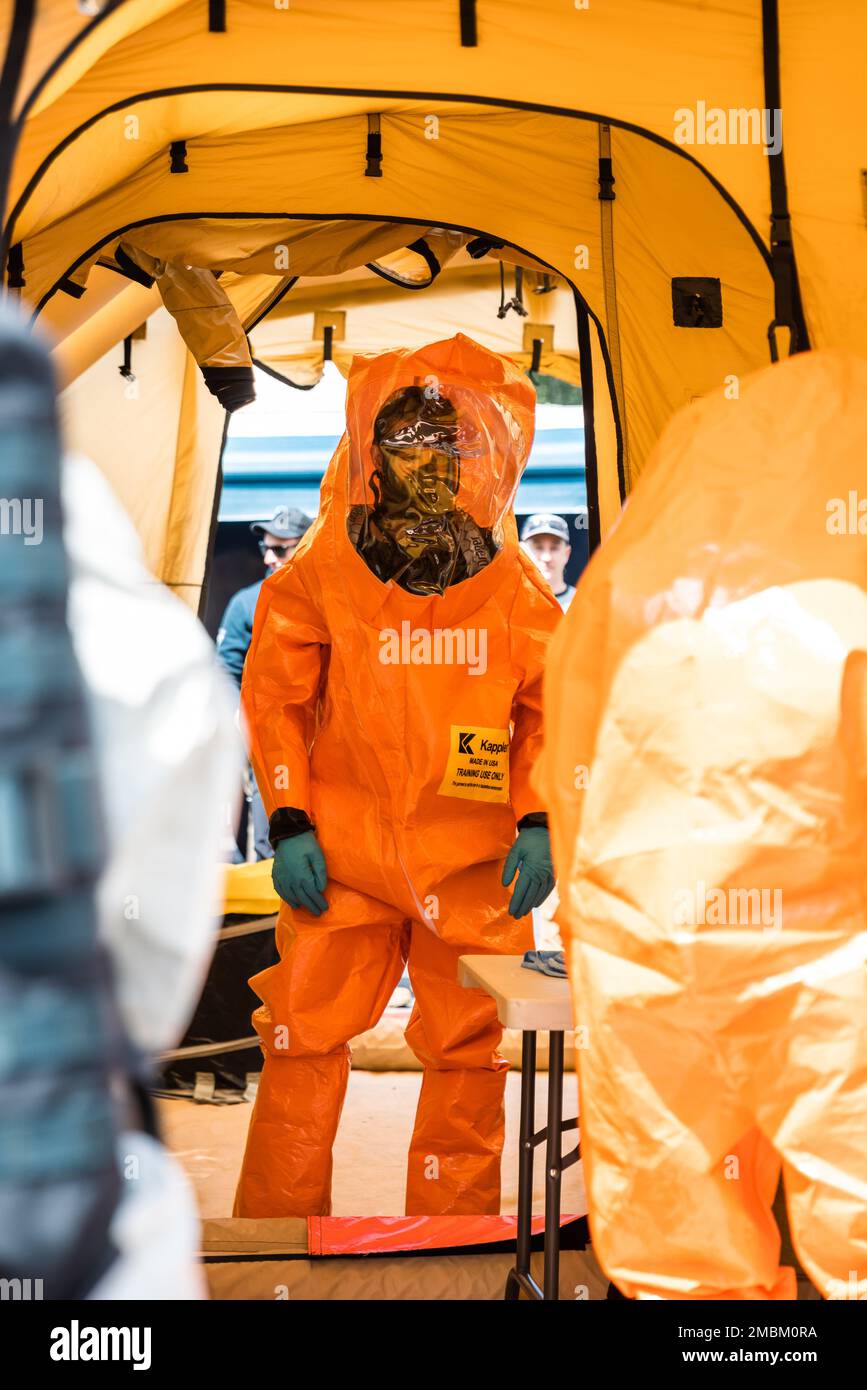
x: 525, y: 1167
x: 553, y: 1169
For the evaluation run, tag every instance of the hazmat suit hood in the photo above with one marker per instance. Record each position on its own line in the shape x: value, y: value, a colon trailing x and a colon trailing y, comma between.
x: 704, y: 768
x: 426, y: 474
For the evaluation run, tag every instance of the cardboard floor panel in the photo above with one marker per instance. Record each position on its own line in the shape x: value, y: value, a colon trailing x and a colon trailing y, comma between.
x: 370, y: 1153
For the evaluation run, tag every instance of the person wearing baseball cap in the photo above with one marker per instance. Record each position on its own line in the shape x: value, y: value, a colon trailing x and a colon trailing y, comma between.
x: 545, y: 538
x: 278, y: 537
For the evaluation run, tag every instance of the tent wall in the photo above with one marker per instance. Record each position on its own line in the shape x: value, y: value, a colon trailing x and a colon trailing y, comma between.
x: 157, y: 440
x: 669, y: 222
x: 825, y: 122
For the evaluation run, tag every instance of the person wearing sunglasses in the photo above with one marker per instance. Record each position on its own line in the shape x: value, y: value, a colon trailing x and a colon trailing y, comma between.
x: 278, y: 538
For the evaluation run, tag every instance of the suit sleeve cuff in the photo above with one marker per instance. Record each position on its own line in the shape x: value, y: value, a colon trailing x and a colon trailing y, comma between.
x: 286, y: 822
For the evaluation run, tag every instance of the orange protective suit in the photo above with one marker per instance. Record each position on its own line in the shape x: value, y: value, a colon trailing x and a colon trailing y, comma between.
x: 414, y: 771
x: 705, y: 772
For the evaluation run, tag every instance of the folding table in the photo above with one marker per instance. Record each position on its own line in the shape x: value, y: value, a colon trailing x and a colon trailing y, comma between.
x: 533, y: 1003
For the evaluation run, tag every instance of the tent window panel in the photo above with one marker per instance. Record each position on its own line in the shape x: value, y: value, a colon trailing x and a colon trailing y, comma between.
x: 696, y: 302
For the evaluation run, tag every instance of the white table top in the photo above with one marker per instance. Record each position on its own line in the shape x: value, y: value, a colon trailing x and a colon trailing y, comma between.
x: 525, y: 999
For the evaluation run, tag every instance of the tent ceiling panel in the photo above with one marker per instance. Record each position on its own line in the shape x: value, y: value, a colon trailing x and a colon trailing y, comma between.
x: 323, y: 176
x: 668, y: 221
x: 639, y: 63
x: 465, y: 302
x: 345, y: 47
x: 92, y: 158
x: 359, y: 286
x: 70, y: 37
x: 58, y: 26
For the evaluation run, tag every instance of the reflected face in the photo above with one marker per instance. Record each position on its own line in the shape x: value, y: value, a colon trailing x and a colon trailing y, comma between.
x: 551, y: 554
x: 422, y: 476
x: 419, y: 444
x: 275, y: 551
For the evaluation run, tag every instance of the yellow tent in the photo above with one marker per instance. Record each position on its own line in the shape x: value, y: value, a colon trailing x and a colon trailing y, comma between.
x: 692, y: 173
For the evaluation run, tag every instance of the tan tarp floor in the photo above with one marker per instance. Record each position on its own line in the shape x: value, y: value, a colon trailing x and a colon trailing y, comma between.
x: 370, y: 1153
x: 433, y: 1278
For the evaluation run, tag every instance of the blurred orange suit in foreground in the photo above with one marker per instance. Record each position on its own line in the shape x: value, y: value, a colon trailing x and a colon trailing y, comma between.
x: 705, y: 771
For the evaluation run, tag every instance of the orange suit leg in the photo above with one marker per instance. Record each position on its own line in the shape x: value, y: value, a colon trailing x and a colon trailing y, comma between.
x: 811, y: 1085
x: 457, y: 1142
x: 680, y: 1180
x: 333, y: 981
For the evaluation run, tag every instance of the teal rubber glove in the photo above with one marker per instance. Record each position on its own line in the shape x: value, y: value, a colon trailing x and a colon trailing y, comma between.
x: 299, y: 873
x: 530, y: 857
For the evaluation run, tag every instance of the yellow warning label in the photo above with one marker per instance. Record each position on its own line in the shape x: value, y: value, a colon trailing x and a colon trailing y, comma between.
x: 478, y: 766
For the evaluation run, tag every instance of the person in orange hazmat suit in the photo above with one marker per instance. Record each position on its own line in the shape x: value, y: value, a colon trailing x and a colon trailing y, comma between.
x: 705, y: 768
x: 392, y: 697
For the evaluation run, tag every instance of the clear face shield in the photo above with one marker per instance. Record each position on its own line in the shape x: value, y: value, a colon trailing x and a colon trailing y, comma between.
x: 442, y: 470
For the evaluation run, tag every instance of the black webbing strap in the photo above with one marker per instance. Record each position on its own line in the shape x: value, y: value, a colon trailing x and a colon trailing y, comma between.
x: 125, y: 367
x: 178, y: 154
x: 544, y: 284
x: 374, y: 149
x: 327, y: 342
x: 217, y: 16
x: 606, y: 180
x: 129, y: 268
x: 536, y: 361
x: 591, y: 467
x: 422, y: 249
x: 480, y: 246
x: 517, y: 300
x: 17, y: 42
x: 469, y: 26
x: 15, y: 267
x: 788, y: 309
x: 71, y: 288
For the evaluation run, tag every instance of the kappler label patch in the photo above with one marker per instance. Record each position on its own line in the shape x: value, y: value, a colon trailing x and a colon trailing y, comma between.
x: 478, y: 766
